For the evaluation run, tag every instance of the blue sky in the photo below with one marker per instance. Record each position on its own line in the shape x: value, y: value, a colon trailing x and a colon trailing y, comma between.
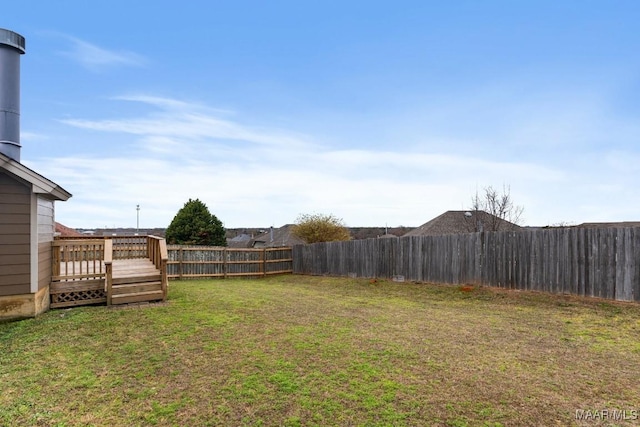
x: 376, y: 112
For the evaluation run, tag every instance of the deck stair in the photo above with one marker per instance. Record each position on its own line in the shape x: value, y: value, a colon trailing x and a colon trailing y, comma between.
x: 136, y: 281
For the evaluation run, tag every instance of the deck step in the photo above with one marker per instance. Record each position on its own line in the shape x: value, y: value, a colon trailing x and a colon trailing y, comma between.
x: 137, y: 297
x: 137, y: 279
x: 134, y: 288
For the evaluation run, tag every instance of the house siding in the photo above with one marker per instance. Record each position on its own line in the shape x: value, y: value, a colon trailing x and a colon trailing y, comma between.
x: 46, y: 229
x: 15, y: 249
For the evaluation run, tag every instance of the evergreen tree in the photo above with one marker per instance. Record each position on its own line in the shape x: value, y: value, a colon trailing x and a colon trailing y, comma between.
x: 195, y: 225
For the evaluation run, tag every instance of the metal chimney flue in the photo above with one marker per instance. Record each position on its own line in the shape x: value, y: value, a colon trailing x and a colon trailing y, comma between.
x: 12, y: 45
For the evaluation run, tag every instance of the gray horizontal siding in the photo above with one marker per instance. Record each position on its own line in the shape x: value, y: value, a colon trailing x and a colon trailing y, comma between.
x: 46, y: 228
x: 44, y: 264
x: 15, y: 202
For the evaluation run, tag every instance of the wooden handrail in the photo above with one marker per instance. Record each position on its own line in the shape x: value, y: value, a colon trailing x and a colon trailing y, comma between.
x: 164, y: 258
x: 164, y: 253
x: 159, y: 256
x: 68, y: 241
x: 108, y: 264
x: 88, y: 237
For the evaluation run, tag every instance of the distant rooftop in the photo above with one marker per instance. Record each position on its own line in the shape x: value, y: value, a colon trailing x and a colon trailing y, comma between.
x: 457, y: 222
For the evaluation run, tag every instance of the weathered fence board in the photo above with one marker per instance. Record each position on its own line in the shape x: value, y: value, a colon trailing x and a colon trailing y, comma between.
x: 598, y: 262
x: 212, y: 261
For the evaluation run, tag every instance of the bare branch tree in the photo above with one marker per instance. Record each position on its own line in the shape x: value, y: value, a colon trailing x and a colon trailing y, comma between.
x: 494, y: 211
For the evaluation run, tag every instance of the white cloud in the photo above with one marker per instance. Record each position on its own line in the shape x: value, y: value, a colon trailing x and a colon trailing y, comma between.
x: 158, y: 101
x: 251, y: 176
x: 33, y: 136
x: 96, y: 58
x: 179, y: 120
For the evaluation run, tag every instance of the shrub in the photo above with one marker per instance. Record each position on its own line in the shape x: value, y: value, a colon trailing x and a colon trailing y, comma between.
x: 313, y: 228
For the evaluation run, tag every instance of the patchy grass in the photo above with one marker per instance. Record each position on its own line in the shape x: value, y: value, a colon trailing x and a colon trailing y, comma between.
x: 296, y: 350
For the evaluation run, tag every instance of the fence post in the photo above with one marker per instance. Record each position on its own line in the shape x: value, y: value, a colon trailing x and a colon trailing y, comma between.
x: 264, y: 262
x: 482, y: 257
x: 180, y: 253
x: 225, y: 266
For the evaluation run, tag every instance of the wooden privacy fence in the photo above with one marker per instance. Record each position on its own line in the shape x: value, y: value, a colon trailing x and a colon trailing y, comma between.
x: 212, y: 261
x: 602, y: 262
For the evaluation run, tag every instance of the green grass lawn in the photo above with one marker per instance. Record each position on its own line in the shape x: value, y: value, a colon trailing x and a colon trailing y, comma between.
x: 297, y: 350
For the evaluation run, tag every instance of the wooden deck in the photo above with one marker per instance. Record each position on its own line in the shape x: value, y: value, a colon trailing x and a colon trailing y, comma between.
x: 85, y: 273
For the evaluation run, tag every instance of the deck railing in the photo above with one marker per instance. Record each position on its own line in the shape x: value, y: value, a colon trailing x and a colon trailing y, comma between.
x: 157, y: 253
x: 124, y: 247
x: 129, y: 247
x: 79, y: 271
x: 78, y: 259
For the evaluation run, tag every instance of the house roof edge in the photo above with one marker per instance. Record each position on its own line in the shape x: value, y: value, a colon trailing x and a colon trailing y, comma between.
x: 41, y: 185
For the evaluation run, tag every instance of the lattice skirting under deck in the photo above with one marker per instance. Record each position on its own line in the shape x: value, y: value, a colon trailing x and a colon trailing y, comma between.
x: 71, y: 294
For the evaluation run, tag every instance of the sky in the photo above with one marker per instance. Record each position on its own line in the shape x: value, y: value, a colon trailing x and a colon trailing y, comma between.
x: 379, y: 113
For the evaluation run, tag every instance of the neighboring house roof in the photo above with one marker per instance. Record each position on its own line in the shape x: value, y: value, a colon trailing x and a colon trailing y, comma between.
x: 388, y: 236
x: 358, y: 233
x: 240, y: 241
x: 275, y: 237
x: 64, y: 231
x: 39, y: 184
x: 126, y: 231
x: 457, y: 222
x: 624, y: 224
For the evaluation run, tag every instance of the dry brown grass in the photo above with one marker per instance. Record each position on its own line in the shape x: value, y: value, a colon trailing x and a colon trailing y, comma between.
x: 295, y: 350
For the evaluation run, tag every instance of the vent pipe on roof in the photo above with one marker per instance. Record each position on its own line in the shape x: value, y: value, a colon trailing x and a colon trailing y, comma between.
x: 12, y: 45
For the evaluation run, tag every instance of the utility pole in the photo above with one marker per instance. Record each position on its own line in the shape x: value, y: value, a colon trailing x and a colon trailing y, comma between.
x: 137, y: 219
